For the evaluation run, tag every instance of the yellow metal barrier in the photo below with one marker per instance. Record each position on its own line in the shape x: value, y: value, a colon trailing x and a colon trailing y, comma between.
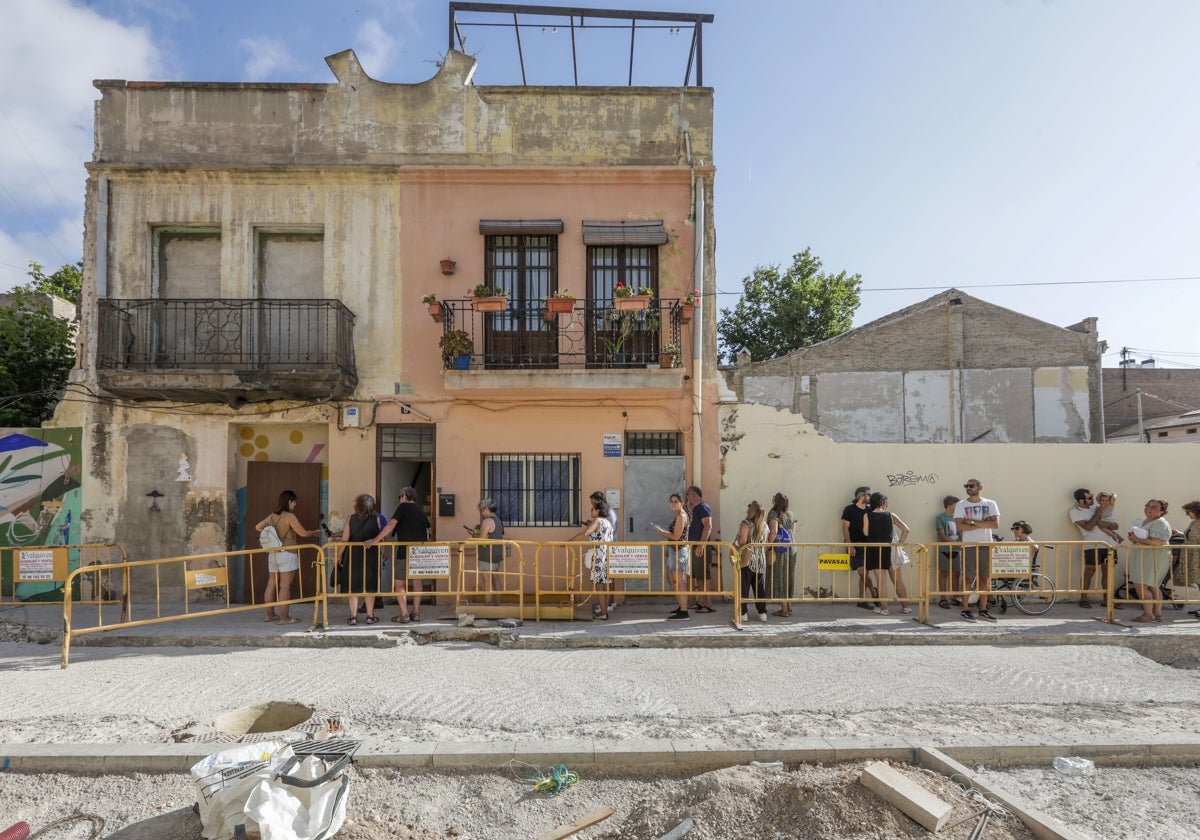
x: 36, y: 566
x: 203, y: 576
x: 567, y: 571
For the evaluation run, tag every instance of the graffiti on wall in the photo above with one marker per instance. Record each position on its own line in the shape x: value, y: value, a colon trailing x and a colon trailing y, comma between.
x: 40, y: 500
x: 910, y: 479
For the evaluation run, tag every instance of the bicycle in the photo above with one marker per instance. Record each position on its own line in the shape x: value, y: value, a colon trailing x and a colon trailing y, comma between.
x: 1032, y: 595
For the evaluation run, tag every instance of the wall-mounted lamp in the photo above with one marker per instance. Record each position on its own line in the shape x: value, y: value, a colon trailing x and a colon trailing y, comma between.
x: 154, y: 497
x: 448, y: 267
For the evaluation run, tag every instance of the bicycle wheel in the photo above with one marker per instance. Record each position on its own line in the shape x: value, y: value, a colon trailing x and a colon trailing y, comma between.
x: 1035, y: 595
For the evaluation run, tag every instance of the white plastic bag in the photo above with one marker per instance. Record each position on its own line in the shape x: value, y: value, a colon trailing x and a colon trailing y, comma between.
x: 225, y: 779
x: 309, y: 804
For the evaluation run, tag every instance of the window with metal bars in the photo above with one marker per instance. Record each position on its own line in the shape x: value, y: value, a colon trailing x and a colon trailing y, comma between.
x: 539, y: 491
x: 653, y: 443
x: 406, y: 443
x: 524, y: 266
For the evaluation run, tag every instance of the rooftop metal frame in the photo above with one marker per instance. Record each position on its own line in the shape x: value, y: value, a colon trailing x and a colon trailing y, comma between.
x: 577, y: 18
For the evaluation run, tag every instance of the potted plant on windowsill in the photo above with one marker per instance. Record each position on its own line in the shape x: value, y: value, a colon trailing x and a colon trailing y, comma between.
x: 559, y: 303
x: 435, y: 306
x: 626, y: 297
x: 687, y: 306
x: 457, y: 347
x: 668, y: 356
x: 486, y: 299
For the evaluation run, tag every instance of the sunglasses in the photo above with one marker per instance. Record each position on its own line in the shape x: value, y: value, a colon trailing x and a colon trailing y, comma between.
x: 970, y: 486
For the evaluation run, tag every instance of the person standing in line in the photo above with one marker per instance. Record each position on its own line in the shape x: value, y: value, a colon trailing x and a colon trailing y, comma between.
x: 852, y: 535
x: 877, y: 559
x: 752, y: 566
x: 617, y: 585
x: 1191, y: 551
x: 976, y: 518
x: 282, y: 565
x: 1151, y: 562
x: 782, y: 566
x: 490, y: 558
x: 949, y: 556
x: 360, y: 573
x: 1086, y: 516
x: 704, y: 557
x: 408, y: 524
x: 599, y: 531
x: 898, y: 533
x: 678, y: 560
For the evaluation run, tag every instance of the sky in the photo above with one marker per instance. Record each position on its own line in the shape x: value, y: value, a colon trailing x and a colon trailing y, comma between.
x: 1043, y: 155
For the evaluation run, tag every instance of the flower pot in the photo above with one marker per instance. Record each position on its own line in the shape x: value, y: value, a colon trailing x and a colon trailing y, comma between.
x: 462, y: 362
x: 489, y: 304
x: 435, y: 311
x: 631, y: 302
x: 448, y: 266
x: 666, y: 360
x: 686, y: 311
x: 559, y: 306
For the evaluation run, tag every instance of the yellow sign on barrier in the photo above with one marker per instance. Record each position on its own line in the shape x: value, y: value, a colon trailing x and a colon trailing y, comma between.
x: 427, y: 561
x: 836, y: 562
x: 204, y: 578
x: 42, y: 564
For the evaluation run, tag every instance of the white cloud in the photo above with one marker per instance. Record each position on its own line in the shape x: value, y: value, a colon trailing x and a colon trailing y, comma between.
x: 50, y: 51
x: 375, y: 48
x: 268, y: 56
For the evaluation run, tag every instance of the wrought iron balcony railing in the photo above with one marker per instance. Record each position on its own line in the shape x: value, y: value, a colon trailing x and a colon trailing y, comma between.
x: 594, y: 334
x: 236, y: 336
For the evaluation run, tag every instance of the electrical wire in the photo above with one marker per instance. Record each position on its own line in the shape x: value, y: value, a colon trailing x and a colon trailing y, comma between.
x: 556, y: 781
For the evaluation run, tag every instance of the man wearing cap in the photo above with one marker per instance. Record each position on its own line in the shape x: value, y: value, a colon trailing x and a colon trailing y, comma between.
x: 852, y: 532
x: 976, y: 518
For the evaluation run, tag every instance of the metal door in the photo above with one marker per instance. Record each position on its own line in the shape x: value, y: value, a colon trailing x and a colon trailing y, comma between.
x: 649, y: 483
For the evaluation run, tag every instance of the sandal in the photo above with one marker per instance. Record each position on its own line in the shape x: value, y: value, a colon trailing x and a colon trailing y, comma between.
x: 1085, y: 603
x: 401, y: 619
x: 703, y: 609
x: 372, y: 619
x: 289, y: 621
x: 600, y: 617
x: 944, y: 604
x: 352, y: 620
x: 416, y: 616
x: 1143, y: 618
x: 271, y: 618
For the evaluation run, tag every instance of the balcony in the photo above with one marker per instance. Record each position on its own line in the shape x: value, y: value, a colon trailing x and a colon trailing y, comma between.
x: 235, y: 351
x: 593, y: 344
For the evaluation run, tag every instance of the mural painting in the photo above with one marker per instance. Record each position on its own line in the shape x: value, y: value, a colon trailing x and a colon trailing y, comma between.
x: 40, y: 501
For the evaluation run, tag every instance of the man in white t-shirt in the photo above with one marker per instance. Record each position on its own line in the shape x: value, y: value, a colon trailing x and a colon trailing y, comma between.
x: 1086, y: 516
x: 976, y: 518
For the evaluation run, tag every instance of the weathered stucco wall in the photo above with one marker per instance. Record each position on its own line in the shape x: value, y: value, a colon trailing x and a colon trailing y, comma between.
x: 766, y: 450
x: 445, y: 120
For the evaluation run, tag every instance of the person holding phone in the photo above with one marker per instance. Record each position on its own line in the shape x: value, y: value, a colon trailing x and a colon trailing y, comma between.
x: 678, y: 558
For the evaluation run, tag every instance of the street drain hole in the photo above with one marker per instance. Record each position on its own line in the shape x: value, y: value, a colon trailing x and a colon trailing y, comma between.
x: 265, y: 717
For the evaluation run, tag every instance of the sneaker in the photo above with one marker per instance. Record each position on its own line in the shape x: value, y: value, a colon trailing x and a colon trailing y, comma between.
x: 678, y: 615
x: 987, y: 616
x: 864, y: 605
x: 881, y: 611
x: 762, y: 616
x: 906, y: 610
x: 967, y: 616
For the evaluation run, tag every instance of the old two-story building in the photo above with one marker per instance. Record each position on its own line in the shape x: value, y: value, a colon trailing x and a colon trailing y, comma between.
x: 949, y: 369
x: 256, y: 261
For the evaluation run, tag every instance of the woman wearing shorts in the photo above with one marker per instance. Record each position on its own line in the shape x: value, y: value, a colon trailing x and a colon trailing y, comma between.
x: 491, y: 557
x: 283, y: 564
x: 678, y: 558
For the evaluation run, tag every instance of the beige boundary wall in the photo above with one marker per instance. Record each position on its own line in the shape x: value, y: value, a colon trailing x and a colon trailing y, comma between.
x: 767, y: 450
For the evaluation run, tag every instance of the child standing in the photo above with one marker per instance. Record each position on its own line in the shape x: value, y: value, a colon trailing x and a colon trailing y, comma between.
x: 949, y: 558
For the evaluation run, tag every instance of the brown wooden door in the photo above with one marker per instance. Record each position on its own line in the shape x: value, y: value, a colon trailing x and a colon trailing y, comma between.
x: 265, y: 480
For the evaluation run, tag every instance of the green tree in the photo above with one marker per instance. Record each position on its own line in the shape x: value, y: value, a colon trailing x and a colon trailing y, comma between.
x: 37, y: 350
x: 781, y: 312
x: 66, y: 283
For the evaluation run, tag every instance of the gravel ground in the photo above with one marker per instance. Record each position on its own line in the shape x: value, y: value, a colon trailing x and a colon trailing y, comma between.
x: 734, y: 697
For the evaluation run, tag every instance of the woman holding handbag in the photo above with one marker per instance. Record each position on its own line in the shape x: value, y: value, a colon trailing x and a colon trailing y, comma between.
x: 751, y: 541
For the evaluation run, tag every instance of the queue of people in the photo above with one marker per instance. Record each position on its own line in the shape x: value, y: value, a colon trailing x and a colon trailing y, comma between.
x: 765, y: 552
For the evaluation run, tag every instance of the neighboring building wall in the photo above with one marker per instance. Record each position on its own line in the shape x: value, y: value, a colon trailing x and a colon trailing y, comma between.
x: 940, y: 371
x: 1165, y: 393
x: 766, y: 450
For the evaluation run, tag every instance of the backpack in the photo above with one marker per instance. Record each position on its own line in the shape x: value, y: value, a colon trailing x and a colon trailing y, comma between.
x: 269, y: 538
x: 782, y: 536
